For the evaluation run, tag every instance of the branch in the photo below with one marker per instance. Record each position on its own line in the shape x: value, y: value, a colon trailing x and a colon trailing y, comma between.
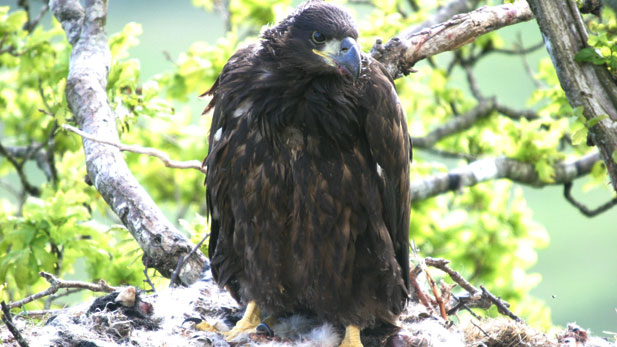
x: 483, y: 109
x: 496, y: 168
x: 86, y: 96
x: 457, y: 124
x: 502, y: 306
x: 8, y: 321
x: 400, y: 53
x: 567, y: 192
x: 32, y: 190
x: 34, y: 151
x: 153, y: 152
x: 442, y: 264
x: 57, y: 284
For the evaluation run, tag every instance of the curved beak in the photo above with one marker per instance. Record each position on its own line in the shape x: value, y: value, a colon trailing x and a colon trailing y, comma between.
x: 349, y: 57
x: 344, y: 55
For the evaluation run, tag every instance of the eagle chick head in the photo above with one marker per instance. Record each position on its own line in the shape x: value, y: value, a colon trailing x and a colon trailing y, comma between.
x: 318, y: 38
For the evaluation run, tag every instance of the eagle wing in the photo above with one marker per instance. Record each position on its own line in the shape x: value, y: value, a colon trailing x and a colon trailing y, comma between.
x: 224, y: 264
x: 390, y: 146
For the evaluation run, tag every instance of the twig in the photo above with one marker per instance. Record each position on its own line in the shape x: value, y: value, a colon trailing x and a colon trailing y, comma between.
x: 413, y: 274
x: 8, y: 321
x: 57, y: 284
x: 502, y: 306
x: 31, y: 24
x: 40, y: 313
x: 146, y: 267
x: 516, y: 114
x: 32, y: 190
x: 519, y: 49
x: 477, y: 326
x: 567, y: 192
x: 442, y: 264
x: 456, y: 125
x: 174, y: 275
x: 53, y: 297
x: 153, y: 152
x: 473, y: 84
x: 442, y: 307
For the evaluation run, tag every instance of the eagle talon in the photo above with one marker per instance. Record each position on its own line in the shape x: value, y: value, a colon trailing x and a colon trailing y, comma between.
x: 264, y: 329
x: 352, y: 337
x: 248, y: 324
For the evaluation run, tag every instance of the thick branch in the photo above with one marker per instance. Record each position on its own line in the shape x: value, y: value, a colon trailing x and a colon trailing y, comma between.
x: 496, y: 168
x: 402, y: 52
x: 585, y: 84
x: 86, y: 95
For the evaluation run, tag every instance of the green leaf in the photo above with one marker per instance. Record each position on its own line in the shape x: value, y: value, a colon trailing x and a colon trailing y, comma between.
x: 595, y: 120
x: 589, y: 55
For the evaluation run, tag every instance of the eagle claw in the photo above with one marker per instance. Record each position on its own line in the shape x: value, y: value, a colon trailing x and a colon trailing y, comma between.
x: 264, y: 329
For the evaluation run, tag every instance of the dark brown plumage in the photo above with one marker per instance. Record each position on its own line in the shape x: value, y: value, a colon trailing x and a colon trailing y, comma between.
x: 308, y: 168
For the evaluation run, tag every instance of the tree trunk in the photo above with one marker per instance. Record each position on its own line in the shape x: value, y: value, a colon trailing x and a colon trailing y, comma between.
x: 585, y: 84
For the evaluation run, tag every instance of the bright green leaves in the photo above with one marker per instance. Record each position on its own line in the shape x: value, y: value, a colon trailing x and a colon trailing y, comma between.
x: 198, y: 68
x: 602, y: 42
x: 537, y: 143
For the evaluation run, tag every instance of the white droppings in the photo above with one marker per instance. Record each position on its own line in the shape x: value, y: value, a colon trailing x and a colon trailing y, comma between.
x: 217, y: 134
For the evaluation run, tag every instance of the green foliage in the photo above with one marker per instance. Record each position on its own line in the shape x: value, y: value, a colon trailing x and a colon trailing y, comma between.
x: 602, y: 42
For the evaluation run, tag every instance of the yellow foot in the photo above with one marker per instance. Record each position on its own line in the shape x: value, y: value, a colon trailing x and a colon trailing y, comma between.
x: 248, y: 323
x: 352, y: 337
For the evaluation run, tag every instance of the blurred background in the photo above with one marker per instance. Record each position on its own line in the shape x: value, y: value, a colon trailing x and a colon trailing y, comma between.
x: 579, y: 266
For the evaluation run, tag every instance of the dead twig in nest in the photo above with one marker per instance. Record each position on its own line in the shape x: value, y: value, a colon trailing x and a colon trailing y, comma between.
x: 502, y: 306
x: 442, y: 264
x: 153, y: 152
x: 477, y: 298
x: 442, y: 307
x: 57, y: 284
x: 8, y: 321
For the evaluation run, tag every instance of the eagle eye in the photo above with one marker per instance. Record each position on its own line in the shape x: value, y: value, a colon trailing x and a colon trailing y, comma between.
x: 318, y: 38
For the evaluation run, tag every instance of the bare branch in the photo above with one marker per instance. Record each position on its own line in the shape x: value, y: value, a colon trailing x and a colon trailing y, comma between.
x: 442, y: 264
x: 497, y: 168
x: 32, y: 23
x: 567, y: 192
x: 502, y: 306
x: 457, y: 124
x: 153, y: 152
x: 483, y: 109
x: 19, y: 166
x: 57, y: 284
x: 86, y: 96
x: 402, y: 52
x: 8, y: 321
